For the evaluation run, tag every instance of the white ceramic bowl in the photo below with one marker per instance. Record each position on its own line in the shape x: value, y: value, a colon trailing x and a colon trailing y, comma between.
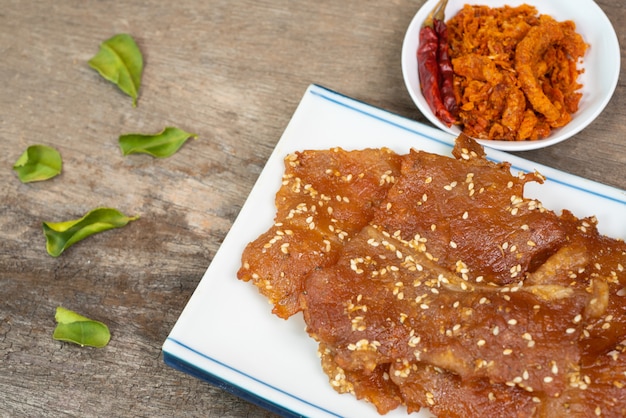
x: 601, y: 63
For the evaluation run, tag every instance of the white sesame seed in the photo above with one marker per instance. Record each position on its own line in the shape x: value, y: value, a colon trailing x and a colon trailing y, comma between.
x: 555, y: 368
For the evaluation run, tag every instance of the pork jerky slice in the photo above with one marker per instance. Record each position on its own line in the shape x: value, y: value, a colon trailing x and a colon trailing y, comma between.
x: 446, y: 395
x: 371, y: 385
x: 326, y: 196
x: 605, y: 276
x: 597, y: 385
x: 385, y: 302
x: 472, y: 214
x: 597, y: 389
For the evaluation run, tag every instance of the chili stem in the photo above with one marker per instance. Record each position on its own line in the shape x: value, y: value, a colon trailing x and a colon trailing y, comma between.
x: 438, y: 12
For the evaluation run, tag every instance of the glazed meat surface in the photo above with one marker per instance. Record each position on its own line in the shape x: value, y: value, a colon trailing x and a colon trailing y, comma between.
x: 437, y: 284
x: 325, y: 197
x: 471, y: 214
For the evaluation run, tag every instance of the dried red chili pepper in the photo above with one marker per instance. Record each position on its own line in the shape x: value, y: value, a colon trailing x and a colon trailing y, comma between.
x: 428, y: 66
x: 445, y: 67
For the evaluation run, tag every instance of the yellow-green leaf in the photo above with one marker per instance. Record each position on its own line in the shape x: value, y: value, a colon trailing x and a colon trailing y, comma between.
x: 75, y: 328
x: 161, y: 145
x: 37, y: 163
x: 119, y: 61
x: 61, y: 235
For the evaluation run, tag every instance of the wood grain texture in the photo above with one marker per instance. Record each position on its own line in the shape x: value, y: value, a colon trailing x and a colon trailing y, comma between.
x: 231, y: 72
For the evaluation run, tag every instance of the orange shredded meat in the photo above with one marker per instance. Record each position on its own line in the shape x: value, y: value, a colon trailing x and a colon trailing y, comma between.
x: 515, y: 71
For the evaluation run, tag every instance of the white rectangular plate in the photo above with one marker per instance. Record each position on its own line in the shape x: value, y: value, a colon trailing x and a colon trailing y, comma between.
x: 227, y: 335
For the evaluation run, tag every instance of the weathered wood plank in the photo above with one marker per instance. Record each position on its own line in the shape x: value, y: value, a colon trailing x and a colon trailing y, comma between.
x: 232, y: 72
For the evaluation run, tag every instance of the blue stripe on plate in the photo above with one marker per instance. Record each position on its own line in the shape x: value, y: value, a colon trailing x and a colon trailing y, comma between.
x: 344, y: 101
x: 189, y: 368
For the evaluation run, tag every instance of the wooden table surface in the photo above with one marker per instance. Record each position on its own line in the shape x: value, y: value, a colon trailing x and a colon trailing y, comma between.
x: 232, y: 72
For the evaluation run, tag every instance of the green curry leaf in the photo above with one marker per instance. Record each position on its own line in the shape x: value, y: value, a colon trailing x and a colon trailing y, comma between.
x: 119, y: 61
x: 75, y: 328
x: 61, y: 235
x: 37, y: 163
x: 161, y: 145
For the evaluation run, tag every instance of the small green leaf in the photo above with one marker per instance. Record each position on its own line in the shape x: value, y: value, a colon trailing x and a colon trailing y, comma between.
x: 75, y: 328
x: 161, y: 145
x: 37, y: 163
x: 61, y: 235
x: 119, y: 61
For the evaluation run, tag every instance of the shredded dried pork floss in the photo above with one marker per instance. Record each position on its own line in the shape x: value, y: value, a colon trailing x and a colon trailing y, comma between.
x: 451, y: 290
x: 515, y: 71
